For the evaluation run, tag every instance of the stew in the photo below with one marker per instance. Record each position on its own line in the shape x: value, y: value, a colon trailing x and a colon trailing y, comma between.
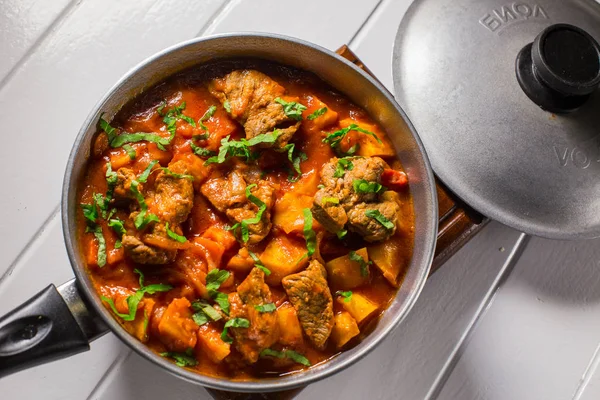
x: 245, y: 220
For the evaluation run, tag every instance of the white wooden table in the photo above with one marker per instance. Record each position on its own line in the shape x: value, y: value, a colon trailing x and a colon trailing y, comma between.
x: 491, y: 324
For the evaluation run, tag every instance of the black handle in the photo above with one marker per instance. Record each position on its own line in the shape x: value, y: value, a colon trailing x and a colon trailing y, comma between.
x: 45, y: 328
x: 560, y: 69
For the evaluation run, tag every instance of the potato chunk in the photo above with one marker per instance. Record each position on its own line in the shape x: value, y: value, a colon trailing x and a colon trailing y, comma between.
x: 211, y: 344
x: 359, y: 306
x: 176, y: 327
x: 387, y: 257
x: 324, y: 120
x: 283, y: 256
x: 345, y: 328
x: 288, y: 212
x: 368, y: 145
x: 139, y: 326
x: 343, y: 273
x: 290, y: 331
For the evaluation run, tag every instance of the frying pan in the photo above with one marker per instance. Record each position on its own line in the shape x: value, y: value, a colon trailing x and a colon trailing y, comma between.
x: 59, y: 322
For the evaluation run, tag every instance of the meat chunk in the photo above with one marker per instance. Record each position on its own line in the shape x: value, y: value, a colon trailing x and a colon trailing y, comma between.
x: 339, y: 203
x: 122, y: 190
x: 228, y: 195
x: 251, y: 97
x: 264, y: 328
x: 141, y: 252
x: 369, y: 228
x: 309, y: 294
x: 173, y: 196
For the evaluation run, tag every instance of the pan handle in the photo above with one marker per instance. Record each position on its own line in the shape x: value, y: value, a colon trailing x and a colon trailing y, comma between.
x: 53, y: 324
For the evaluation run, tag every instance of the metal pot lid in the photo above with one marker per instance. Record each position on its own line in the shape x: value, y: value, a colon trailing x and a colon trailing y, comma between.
x: 505, y: 98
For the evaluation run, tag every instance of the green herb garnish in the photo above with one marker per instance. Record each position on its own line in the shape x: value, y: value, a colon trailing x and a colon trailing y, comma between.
x: 186, y: 359
x: 309, y: 234
x: 201, y: 151
x: 295, y: 160
x: 174, y: 236
x: 204, y: 312
x: 175, y: 175
x: 227, y: 106
x: 291, y: 109
x: 346, y: 295
x: 258, y: 264
x: 291, y: 354
x: 125, y: 138
x: 377, y: 216
x: 110, y: 131
x: 209, y: 113
x: 130, y: 151
x: 266, y: 308
x: 334, y: 139
x: 241, y: 148
x: 143, y: 218
x: 233, y: 323
x: 144, y: 176
x: 342, y: 166
x: 262, y: 207
x: 134, y: 300
x: 341, y: 234
x: 362, y: 186
x: 117, y: 226
x: 332, y: 200
x: 364, y: 266
x: 101, y: 257
x: 214, y: 280
x: 317, y: 113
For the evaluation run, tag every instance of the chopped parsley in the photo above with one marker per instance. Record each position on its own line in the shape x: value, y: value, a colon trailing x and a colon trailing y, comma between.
x: 201, y: 151
x: 204, y: 312
x: 241, y: 148
x: 317, y: 113
x: 362, y: 186
x: 117, y: 225
x: 125, y: 138
x: 209, y: 113
x: 262, y: 207
x: 258, y: 264
x: 90, y: 212
x: 295, y: 160
x: 291, y: 109
x: 134, y: 299
x: 176, y: 175
x: 214, y: 280
x: 143, y: 218
x: 364, y: 265
x: 377, y: 216
x: 110, y: 131
x: 342, y: 166
x: 291, y: 354
x: 186, y: 359
x: 144, y: 176
x: 309, y: 234
x: 101, y: 257
x: 346, y: 295
x: 341, y: 234
x: 130, y: 151
x: 266, y: 308
x: 332, y: 200
x: 233, y: 323
x: 174, y: 236
x: 335, y: 138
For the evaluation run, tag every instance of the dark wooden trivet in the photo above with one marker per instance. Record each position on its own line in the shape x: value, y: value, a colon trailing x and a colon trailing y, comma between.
x: 458, y: 224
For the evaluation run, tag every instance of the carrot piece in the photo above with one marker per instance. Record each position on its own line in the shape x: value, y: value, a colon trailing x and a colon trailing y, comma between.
x: 92, y: 251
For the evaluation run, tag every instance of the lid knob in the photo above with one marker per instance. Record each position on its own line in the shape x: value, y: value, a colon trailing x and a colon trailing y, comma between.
x: 560, y: 69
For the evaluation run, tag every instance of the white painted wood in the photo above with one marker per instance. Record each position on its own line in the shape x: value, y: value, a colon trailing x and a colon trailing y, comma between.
x: 61, y: 81
x: 23, y: 24
x: 47, y: 263
x: 327, y: 23
x: 538, y: 337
